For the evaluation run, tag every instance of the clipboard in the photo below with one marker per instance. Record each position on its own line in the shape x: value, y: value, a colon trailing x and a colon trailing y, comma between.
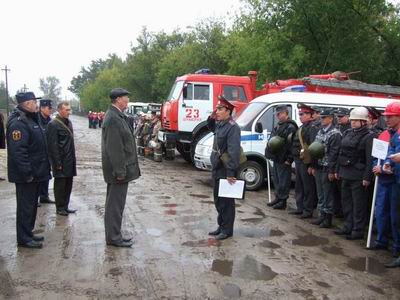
x: 227, y: 190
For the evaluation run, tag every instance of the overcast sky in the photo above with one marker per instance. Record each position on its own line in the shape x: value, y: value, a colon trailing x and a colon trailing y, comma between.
x: 40, y: 38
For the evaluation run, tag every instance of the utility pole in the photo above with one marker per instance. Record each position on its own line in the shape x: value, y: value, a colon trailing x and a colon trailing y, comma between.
x: 24, y: 89
x: 6, y: 71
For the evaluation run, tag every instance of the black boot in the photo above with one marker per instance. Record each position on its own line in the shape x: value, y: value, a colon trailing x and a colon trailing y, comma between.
x: 327, y: 223
x: 320, y: 219
x: 276, y: 201
x: 280, y: 205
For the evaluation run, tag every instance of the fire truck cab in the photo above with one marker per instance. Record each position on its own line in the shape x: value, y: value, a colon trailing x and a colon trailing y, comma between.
x: 192, y: 99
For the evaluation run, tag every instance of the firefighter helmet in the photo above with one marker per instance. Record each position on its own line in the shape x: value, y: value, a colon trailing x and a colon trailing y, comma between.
x: 317, y: 150
x: 276, y: 144
x: 392, y: 109
x: 359, y: 113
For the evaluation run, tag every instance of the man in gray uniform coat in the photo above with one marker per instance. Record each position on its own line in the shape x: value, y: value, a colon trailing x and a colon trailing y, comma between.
x: 120, y: 165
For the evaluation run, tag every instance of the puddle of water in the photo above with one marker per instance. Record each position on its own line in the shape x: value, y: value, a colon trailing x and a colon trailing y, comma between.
x: 36, y: 231
x: 240, y: 211
x: 169, y: 205
x: 202, y: 243
x: 201, y: 196
x: 207, y: 202
x: 140, y: 197
x: 187, y: 186
x: 333, y: 250
x: 154, y: 231
x: 376, y: 289
x: 276, y: 232
x: 258, y: 232
x: 231, y: 290
x: 367, y: 264
x: 259, y: 212
x: 310, y: 240
x: 237, y: 205
x: 269, y: 244
x: 246, y: 268
x: 164, y: 197
x: 252, y: 220
x: 170, y: 212
x: 307, y: 294
x: 115, y: 271
x: 323, y: 284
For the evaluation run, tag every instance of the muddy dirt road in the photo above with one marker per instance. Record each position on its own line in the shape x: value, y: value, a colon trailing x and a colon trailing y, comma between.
x: 169, y: 211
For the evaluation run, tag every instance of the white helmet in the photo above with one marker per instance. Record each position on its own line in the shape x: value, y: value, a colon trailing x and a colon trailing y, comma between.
x: 359, y: 113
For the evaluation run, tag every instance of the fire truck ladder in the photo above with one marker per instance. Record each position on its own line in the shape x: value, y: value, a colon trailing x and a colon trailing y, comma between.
x: 354, y: 86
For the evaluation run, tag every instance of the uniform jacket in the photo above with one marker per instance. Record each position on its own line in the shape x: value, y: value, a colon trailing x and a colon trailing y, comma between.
x: 2, y: 133
x: 60, y: 141
x: 43, y: 122
x: 394, y: 147
x: 286, y: 130
x: 343, y: 128
x: 226, y: 139
x: 331, y: 139
x: 118, y: 148
x: 26, y: 147
x: 308, y: 132
x: 355, y: 160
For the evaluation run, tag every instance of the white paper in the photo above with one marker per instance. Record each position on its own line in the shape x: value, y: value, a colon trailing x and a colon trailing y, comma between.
x: 228, y: 190
x: 380, y: 149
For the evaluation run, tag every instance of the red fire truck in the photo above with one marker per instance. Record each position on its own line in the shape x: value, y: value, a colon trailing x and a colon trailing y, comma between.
x: 193, y: 97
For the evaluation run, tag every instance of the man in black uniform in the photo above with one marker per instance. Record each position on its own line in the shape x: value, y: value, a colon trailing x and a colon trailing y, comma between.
x: 282, y: 170
x: 343, y: 123
x: 342, y: 119
x: 329, y: 138
x: 60, y: 139
x: 226, y: 140
x: 45, y: 110
x: 354, y: 168
x: 305, y: 191
x: 2, y: 136
x: 28, y: 164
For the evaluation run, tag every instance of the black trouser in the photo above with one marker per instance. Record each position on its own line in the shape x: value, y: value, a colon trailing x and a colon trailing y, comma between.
x: 114, y: 209
x: 337, y: 199
x: 282, y: 179
x: 226, y: 210
x: 62, y: 192
x: 44, y: 189
x: 27, y: 198
x: 354, y: 203
x: 305, y: 188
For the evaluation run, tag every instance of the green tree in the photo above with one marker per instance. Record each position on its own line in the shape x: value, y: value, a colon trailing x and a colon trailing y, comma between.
x: 3, y: 96
x: 50, y: 87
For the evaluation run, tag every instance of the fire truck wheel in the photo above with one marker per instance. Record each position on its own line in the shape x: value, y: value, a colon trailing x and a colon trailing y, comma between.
x: 184, y: 151
x: 253, y: 173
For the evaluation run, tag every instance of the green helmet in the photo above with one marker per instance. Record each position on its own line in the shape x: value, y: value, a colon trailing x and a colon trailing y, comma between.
x: 276, y: 144
x: 317, y: 150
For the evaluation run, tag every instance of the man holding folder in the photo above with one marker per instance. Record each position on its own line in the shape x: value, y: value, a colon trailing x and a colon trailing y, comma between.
x: 226, y: 140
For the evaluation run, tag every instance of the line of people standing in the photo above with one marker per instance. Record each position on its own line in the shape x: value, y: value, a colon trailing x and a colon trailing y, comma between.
x: 335, y: 169
x: 32, y: 152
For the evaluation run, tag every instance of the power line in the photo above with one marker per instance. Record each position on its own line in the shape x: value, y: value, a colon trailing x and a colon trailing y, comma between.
x: 6, y: 70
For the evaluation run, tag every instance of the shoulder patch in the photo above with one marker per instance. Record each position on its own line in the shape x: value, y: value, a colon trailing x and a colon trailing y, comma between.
x: 232, y: 122
x: 16, y: 135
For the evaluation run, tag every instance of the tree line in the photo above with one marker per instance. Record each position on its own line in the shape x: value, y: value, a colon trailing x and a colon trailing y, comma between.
x: 278, y: 38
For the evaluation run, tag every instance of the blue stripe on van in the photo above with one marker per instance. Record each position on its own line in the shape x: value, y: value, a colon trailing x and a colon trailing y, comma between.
x: 252, y: 137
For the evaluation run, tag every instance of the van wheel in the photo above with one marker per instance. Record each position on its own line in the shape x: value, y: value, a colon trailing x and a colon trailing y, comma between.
x: 253, y: 173
x: 184, y: 150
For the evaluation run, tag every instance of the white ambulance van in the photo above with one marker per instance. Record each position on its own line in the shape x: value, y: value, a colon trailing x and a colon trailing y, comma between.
x: 258, y: 120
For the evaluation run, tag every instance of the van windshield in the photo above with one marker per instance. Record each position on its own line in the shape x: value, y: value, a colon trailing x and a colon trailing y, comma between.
x: 175, y: 90
x: 249, y: 113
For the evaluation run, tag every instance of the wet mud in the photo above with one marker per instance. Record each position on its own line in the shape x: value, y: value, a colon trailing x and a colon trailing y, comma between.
x: 271, y: 255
